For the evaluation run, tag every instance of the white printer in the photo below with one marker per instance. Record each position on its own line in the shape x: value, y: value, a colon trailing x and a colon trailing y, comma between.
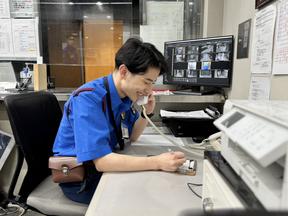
x: 255, y: 144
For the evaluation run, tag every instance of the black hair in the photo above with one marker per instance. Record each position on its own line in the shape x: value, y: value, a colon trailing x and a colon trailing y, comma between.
x: 139, y: 56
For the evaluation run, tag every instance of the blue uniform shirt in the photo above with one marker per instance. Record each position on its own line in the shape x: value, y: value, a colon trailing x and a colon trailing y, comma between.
x: 87, y: 132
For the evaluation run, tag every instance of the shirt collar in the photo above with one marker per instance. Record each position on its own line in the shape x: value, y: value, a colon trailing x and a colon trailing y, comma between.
x: 117, y: 103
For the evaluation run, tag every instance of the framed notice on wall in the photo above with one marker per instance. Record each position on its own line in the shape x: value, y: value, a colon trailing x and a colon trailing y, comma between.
x: 243, y: 39
x: 261, y: 3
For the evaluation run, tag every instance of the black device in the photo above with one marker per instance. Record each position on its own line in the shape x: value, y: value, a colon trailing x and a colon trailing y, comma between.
x: 197, y: 128
x: 200, y: 63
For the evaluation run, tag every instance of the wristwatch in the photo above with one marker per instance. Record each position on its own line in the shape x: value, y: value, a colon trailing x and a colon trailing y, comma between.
x: 148, y: 115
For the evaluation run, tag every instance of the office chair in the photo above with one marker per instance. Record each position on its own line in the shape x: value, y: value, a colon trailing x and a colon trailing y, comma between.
x: 34, y: 119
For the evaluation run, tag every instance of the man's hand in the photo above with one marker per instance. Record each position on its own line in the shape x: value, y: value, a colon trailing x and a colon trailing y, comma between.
x: 170, y: 161
x: 150, y: 105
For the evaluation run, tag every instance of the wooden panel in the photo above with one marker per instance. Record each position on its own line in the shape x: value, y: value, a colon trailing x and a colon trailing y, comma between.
x: 66, y: 76
x: 40, y: 77
x: 102, y: 39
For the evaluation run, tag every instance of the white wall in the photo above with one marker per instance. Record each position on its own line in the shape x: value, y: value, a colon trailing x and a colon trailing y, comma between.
x: 222, y: 17
x: 213, y: 18
x: 234, y: 13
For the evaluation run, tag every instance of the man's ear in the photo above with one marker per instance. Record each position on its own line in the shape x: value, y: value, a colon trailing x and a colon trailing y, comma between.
x: 123, y: 70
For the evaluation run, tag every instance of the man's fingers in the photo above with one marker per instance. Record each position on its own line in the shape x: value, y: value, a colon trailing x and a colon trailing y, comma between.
x: 179, y: 154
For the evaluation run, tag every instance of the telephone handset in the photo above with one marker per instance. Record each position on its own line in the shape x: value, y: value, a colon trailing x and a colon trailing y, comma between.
x: 212, y: 112
x: 142, y: 100
x: 215, y: 136
x: 215, y: 141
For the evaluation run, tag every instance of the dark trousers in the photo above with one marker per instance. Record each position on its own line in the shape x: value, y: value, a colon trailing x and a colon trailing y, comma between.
x: 82, y: 192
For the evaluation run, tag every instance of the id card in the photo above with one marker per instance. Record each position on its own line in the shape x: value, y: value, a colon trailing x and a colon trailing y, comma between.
x: 125, y: 132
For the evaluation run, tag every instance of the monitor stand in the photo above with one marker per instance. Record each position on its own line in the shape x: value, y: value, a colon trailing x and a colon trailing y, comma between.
x: 197, y: 90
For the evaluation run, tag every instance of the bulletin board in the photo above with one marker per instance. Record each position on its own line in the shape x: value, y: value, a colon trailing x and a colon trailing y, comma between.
x: 19, y: 29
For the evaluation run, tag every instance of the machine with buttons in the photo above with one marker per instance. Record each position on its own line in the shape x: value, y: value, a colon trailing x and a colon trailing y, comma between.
x: 255, y: 144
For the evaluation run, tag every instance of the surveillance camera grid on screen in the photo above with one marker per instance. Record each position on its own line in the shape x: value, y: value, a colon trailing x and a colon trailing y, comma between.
x: 202, y: 62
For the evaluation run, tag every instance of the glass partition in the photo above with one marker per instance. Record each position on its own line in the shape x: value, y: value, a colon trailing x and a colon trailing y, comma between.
x: 78, y: 39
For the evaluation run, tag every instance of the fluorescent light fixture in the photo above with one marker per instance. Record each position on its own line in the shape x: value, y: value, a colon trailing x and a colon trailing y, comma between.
x: 84, y: 3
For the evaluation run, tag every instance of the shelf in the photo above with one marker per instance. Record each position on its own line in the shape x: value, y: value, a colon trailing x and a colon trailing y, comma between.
x: 7, y: 58
x: 216, y: 98
x: 63, y: 94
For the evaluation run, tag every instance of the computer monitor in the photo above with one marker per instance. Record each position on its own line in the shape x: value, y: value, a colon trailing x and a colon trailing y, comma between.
x: 6, y: 145
x: 7, y: 76
x: 203, y: 62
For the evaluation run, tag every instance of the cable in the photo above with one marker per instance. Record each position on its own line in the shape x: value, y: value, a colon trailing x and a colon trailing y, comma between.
x: 195, y: 184
x: 193, y: 191
x: 197, y: 147
x: 12, y: 209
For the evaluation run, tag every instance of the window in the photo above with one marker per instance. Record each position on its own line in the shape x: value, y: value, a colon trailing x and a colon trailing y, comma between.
x: 80, y: 38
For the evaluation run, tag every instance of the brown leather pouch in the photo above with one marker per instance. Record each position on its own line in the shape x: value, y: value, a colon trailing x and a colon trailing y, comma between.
x: 66, y: 169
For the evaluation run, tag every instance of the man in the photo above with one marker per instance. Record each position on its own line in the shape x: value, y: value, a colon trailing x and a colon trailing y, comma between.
x: 87, y: 132
x: 70, y: 53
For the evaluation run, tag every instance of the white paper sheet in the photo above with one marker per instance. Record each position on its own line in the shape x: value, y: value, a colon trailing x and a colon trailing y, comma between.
x: 192, y: 114
x: 25, y: 37
x: 260, y: 87
x: 6, y: 43
x: 4, y: 9
x: 23, y: 8
x: 262, y: 45
x: 280, y: 61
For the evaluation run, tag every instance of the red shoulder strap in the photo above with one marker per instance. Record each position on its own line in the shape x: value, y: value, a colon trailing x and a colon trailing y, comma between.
x: 78, y: 91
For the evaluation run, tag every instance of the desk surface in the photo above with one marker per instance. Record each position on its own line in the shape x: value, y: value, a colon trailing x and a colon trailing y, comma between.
x: 147, y: 192
x: 63, y: 94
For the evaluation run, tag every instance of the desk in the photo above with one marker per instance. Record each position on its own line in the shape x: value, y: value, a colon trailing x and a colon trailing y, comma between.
x: 146, y: 193
x: 62, y: 94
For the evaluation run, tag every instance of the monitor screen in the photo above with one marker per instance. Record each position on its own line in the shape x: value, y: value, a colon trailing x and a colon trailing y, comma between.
x: 7, y: 72
x: 6, y: 145
x: 199, y: 62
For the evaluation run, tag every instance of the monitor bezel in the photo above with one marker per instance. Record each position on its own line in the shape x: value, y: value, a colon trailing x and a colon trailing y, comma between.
x: 165, y: 81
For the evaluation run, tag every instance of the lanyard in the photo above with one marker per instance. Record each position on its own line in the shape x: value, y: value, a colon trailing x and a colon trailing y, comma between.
x: 118, y: 131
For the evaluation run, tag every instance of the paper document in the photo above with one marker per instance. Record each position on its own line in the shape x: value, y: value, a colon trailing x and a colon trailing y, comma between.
x: 23, y: 8
x: 260, y: 87
x: 262, y: 45
x: 191, y: 114
x: 281, y: 40
x: 6, y: 44
x: 25, y: 37
x: 4, y: 9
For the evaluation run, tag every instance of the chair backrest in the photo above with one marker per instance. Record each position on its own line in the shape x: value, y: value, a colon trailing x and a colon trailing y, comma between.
x: 34, y: 119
